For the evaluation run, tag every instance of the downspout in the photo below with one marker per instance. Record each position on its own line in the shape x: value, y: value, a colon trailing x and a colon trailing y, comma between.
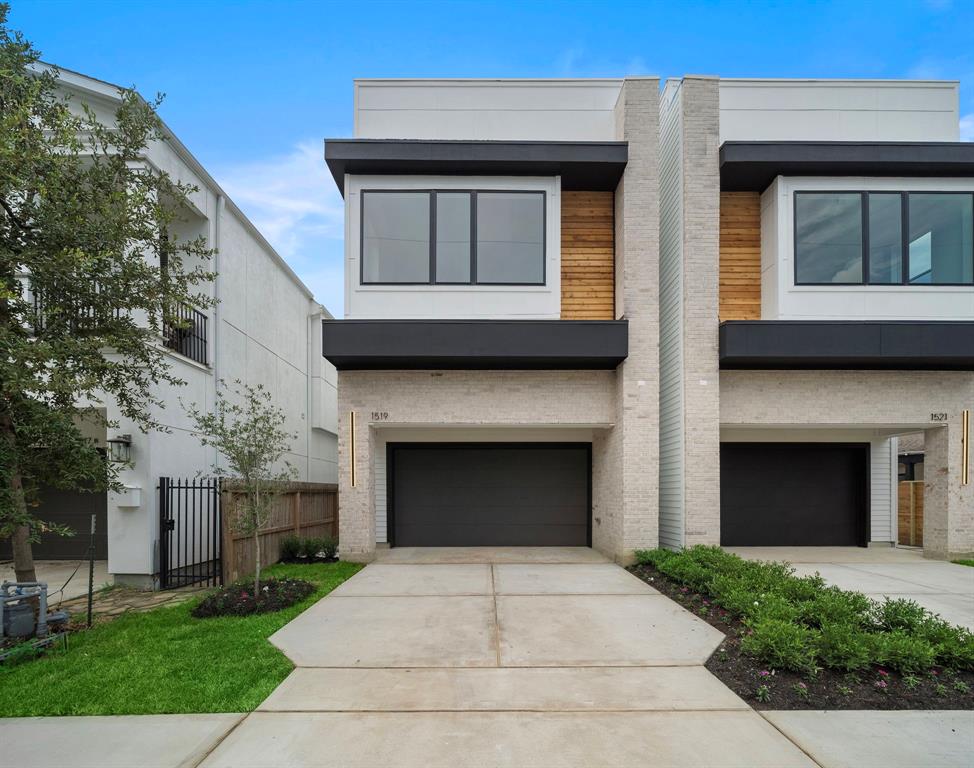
x: 220, y: 207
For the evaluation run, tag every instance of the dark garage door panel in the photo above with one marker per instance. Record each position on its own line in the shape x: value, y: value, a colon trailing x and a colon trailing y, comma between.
x: 73, y: 509
x: 794, y: 494
x: 490, y: 494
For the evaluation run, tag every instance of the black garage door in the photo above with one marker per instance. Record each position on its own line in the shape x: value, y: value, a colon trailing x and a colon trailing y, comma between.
x: 489, y: 494
x: 794, y: 494
x: 73, y: 509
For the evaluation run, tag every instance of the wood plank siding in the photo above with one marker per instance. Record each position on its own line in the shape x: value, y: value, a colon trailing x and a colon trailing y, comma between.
x: 587, y: 256
x: 740, y: 256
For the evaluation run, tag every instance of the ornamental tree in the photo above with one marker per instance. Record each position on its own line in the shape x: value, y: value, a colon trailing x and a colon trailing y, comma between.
x: 248, y: 430
x: 90, y: 278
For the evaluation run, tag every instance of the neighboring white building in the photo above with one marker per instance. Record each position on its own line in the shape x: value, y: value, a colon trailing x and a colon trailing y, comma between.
x: 265, y: 329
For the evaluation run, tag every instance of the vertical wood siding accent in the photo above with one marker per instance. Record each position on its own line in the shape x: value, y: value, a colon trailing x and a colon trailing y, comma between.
x: 672, y: 430
x: 587, y: 256
x: 740, y: 256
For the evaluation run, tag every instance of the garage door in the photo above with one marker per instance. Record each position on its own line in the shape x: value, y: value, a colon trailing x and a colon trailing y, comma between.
x: 794, y: 494
x: 489, y: 494
x: 73, y: 509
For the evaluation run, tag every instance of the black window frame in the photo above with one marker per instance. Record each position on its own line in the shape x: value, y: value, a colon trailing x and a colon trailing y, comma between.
x: 864, y: 253
x: 432, y: 192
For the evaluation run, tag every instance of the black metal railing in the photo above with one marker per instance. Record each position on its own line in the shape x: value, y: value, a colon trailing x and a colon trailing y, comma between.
x: 184, y: 331
x: 190, y: 532
x: 75, y: 315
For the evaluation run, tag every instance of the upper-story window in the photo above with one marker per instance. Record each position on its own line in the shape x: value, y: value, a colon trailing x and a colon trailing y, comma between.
x: 453, y: 237
x: 884, y: 238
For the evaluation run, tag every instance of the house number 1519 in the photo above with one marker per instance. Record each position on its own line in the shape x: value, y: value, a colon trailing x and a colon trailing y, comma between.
x: 380, y: 415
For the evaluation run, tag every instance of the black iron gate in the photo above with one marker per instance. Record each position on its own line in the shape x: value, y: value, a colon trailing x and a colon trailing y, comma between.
x: 189, y: 532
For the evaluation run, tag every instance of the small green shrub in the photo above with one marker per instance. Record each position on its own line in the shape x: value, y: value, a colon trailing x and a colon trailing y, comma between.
x: 844, y: 646
x: 782, y: 644
x: 769, y: 606
x: 685, y: 571
x: 903, y: 652
x: 654, y: 557
x: 290, y: 548
x: 953, y: 646
x: 836, y: 606
x: 899, y: 614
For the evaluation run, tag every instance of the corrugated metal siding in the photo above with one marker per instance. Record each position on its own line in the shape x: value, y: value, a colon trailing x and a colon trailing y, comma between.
x: 882, y: 498
x: 671, y: 436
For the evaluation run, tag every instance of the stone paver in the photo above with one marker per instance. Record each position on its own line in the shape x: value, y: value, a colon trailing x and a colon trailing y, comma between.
x: 551, y: 689
x: 942, y: 588
x: 562, y: 579
x: 617, y: 630
x: 507, y: 739
x: 405, y: 631
x: 865, y: 739
x: 381, y: 579
x: 147, y: 741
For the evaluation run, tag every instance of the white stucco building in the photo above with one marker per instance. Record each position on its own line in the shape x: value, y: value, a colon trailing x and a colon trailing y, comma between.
x: 264, y: 329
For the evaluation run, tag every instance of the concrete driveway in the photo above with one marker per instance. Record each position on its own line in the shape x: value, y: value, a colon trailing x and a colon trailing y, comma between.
x: 473, y: 658
x: 55, y: 573
x: 942, y: 588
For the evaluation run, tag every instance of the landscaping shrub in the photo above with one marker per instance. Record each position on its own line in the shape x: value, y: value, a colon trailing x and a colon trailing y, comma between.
x: 310, y: 549
x: 844, y: 646
x: 801, y: 624
x: 836, y: 606
x: 290, y: 548
x: 782, y: 644
x: 899, y: 614
x: 903, y: 652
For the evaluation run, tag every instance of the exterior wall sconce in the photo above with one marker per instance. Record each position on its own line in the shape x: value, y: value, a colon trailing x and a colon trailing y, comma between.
x: 120, y: 449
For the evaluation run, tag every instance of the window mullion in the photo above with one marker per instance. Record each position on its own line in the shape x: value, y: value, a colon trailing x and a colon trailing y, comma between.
x: 864, y: 205
x: 432, y: 277
x: 473, y: 238
x: 905, y: 237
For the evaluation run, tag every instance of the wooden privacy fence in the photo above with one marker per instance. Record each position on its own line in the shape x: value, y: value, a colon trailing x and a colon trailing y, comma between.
x: 910, y: 512
x: 298, y: 509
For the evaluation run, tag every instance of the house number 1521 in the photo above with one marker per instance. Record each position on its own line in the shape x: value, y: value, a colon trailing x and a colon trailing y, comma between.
x: 938, y: 417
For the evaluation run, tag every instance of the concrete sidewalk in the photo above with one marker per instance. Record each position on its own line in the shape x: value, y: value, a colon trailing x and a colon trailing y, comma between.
x: 942, y: 588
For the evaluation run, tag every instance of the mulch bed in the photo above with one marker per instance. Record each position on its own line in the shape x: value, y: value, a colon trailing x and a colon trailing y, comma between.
x: 307, y: 560
x: 766, y: 688
x: 239, y: 599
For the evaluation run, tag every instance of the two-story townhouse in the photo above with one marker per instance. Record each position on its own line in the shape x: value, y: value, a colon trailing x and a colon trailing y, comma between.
x: 817, y: 272
x: 497, y: 367
x: 570, y: 320
x: 265, y: 328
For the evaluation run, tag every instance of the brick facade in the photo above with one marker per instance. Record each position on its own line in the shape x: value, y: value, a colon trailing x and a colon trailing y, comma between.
x: 887, y: 400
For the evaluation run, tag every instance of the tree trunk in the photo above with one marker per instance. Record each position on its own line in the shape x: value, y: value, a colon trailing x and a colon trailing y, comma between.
x: 257, y: 560
x: 20, y: 540
x: 23, y: 554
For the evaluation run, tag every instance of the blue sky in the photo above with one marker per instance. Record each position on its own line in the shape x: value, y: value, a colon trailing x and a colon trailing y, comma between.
x: 253, y: 87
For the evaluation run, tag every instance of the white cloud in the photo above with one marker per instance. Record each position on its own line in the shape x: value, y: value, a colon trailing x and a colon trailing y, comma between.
x: 578, y: 62
x: 293, y: 201
x: 967, y: 127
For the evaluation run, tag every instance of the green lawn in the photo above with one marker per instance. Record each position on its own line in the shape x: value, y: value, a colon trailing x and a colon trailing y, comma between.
x: 964, y: 562
x: 164, y: 661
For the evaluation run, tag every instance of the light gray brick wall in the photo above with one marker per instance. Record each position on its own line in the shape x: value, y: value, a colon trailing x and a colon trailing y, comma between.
x: 455, y: 398
x: 631, y: 451
x: 884, y: 400
x: 701, y: 283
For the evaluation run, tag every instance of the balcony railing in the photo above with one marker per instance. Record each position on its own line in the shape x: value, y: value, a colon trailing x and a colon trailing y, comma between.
x: 185, y: 332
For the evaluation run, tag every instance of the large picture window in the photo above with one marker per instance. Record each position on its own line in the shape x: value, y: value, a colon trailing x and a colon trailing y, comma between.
x: 453, y: 237
x: 884, y: 238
